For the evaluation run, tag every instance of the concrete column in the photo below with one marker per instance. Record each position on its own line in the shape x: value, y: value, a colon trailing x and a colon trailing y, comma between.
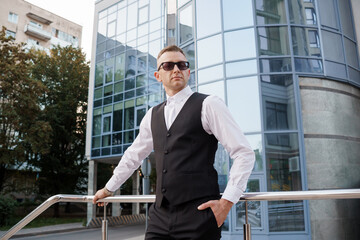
x: 136, y: 185
x: 116, y: 208
x: 92, y: 179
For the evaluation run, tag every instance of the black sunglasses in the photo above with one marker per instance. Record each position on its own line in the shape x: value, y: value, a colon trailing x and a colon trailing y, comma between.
x: 168, y: 66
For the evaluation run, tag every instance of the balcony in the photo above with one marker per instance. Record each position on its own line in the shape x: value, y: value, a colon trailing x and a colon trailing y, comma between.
x: 37, y: 32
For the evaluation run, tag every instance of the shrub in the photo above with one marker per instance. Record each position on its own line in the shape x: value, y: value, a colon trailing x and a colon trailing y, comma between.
x: 7, y: 209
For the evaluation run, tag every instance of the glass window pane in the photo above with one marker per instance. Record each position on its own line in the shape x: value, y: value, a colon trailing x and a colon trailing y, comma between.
x: 284, y: 174
x: 332, y: 46
x: 302, y: 12
x: 328, y: 14
x: 206, y: 57
x: 106, y: 124
x: 97, y: 125
x: 181, y: 2
x: 240, y: 44
x: 270, y: 11
x: 254, y: 207
x: 273, y: 41
x: 156, y: 8
x: 140, y: 113
x: 308, y: 65
x: 354, y: 75
x: 275, y: 65
x: 118, y: 120
x: 279, y: 110
x: 210, y: 74
x: 128, y: 136
x: 215, y: 88
x: 346, y: 20
x: 129, y: 114
x: 208, y: 17
x: 186, y: 24
x: 351, y: 53
x: 155, y: 25
x: 141, y: 81
x: 241, y: 68
x: 108, y: 90
x: 121, y: 21
x: 305, y: 42
x: 99, y: 74
x: 106, y: 140
x: 132, y: 16
x: 117, y: 139
x: 240, y: 93
x: 237, y: 14
x: 335, y: 69
x: 102, y: 29
x: 143, y: 14
x: 111, y: 29
x: 98, y: 93
x: 96, y: 141
x: 190, y: 55
x: 120, y: 67
x: 256, y: 144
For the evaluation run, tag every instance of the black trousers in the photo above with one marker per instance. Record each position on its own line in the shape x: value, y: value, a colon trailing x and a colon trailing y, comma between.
x: 183, y: 221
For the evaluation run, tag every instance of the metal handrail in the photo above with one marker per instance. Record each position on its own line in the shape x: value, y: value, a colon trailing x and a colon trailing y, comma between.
x: 254, y: 196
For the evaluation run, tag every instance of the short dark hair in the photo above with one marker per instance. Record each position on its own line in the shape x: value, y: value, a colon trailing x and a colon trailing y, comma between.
x: 171, y: 48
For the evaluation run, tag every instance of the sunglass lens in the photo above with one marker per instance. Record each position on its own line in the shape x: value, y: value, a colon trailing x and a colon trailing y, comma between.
x: 182, y: 65
x: 167, y: 66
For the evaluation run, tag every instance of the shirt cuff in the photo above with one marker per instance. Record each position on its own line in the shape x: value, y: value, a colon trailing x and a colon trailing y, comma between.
x: 109, y: 186
x: 232, y: 194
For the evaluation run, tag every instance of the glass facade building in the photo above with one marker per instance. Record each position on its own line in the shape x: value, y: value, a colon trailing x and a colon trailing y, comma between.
x: 250, y: 53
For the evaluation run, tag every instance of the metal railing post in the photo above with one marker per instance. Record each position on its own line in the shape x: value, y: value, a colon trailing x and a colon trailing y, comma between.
x: 247, y: 226
x: 104, y: 225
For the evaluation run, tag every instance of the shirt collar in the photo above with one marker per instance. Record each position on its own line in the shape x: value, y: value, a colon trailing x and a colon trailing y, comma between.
x: 180, y: 96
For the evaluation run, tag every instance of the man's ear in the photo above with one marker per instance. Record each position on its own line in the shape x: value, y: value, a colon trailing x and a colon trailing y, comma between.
x: 157, y: 76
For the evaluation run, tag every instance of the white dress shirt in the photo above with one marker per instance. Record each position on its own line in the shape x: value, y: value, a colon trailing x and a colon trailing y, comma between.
x: 217, y: 120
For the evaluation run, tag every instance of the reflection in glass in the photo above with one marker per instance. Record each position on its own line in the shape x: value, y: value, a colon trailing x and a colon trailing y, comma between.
x: 210, y: 74
x: 270, y: 11
x: 117, y: 139
x: 97, y: 125
x: 284, y: 174
x: 208, y: 17
x: 240, y: 44
x: 328, y: 14
x: 132, y: 16
x: 129, y: 114
x: 106, y: 124
x: 221, y: 166
x: 215, y: 88
x: 143, y: 14
x: 106, y: 140
x: 346, y: 20
x: 111, y: 29
x: 207, y: 57
x: 351, y: 56
x: 121, y: 21
x: 275, y: 65
x: 156, y: 8
x: 102, y: 29
x: 99, y: 74
x: 332, y: 44
x: 302, y: 12
x: 278, y: 102
x: 255, y: 141
x: 240, y: 93
x: 241, y: 68
x: 254, y: 207
x: 305, y: 41
x: 119, y: 67
x: 140, y: 113
x: 96, y: 142
x: 186, y: 24
x: 308, y: 65
x: 190, y: 55
x: 237, y: 14
x: 273, y: 41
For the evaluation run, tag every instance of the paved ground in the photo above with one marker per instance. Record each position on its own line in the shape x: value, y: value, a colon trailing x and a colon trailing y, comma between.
x: 78, y: 232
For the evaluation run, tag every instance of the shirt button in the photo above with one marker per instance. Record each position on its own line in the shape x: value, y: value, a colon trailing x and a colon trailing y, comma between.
x: 163, y: 190
x: 164, y: 171
x: 168, y: 134
x: 166, y: 151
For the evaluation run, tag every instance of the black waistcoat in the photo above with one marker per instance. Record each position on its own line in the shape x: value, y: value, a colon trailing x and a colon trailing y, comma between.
x: 184, y: 154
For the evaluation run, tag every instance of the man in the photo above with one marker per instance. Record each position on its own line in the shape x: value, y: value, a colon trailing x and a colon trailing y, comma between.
x: 184, y: 132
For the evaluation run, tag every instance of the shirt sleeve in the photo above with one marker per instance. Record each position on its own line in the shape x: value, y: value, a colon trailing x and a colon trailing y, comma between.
x: 217, y: 120
x: 134, y: 155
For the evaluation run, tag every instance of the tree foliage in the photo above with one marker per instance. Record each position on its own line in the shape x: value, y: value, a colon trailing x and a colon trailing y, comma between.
x: 21, y: 126
x: 65, y: 74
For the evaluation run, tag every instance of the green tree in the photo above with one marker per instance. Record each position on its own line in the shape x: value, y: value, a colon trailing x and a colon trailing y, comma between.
x: 23, y: 134
x: 65, y: 73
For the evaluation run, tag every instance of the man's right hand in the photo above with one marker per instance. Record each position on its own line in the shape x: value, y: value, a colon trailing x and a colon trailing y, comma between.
x: 99, y: 195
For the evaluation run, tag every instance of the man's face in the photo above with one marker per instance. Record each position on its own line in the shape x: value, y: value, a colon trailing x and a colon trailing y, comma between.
x: 174, y: 80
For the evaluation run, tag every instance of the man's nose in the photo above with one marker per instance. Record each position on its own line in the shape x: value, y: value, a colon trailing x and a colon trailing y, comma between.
x: 176, y: 68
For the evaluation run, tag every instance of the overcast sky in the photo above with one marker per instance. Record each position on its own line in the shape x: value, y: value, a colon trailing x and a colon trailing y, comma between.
x: 78, y: 11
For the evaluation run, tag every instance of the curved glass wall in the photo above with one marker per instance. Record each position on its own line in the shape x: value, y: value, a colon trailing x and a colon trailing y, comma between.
x: 249, y: 53
x: 129, y: 37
